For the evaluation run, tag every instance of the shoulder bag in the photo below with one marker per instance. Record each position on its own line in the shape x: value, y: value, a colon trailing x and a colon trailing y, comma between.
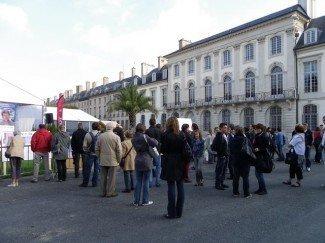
x: 122, y: 162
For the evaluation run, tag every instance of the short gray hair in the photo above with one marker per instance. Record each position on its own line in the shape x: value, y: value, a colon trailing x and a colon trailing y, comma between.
x: 110, y: 125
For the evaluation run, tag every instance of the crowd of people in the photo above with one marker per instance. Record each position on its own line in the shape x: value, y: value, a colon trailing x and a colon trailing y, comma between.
x: 147, y: 156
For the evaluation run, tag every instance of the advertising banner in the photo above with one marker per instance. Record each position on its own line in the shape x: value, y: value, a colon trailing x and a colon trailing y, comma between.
x: 8, y: 114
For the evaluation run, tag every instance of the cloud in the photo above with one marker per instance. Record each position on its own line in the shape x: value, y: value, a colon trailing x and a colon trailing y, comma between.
x: 15, y: 17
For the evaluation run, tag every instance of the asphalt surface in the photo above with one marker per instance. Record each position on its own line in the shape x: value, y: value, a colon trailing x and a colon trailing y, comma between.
x: 63, y: 212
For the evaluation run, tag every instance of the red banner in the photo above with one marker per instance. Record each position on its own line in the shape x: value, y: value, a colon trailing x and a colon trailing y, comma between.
x: 59, y: 112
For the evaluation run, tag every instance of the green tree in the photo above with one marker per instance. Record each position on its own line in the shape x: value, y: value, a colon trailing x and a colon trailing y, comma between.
x: 132, y: 102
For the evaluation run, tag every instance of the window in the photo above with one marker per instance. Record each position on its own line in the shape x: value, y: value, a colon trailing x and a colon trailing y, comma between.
x: 191, y: 93
x: 177, y: 95
x: 164, y: 73
x: 208, y: 90
x: 226, y: 58
x: 310, y: 36
x: 250, y: 84
x: 153, y: 98
x: 276, y: 81
x: 176, y: 70
x: 310, y: 76
x: 191, y: 67
x: 249, y: 52
x: 227, y: 88
x: 248, y: 117
x: 164, y: 96
x: 143, y: 119
x: 153, y: 76
x: 276, y: 45
x: 225, y: 116
x: 206, y: 120
x: 163, y: 119
x: 207, y: 62
x: 310, y: 116
x: 275, y: 117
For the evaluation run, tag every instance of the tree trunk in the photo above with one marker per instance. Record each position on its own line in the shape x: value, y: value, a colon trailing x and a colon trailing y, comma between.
x: 132, y: 120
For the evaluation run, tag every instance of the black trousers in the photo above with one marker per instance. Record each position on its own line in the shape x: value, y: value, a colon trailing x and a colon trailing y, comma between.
x: 62, y: 169
x: 231, y: 167
x: 76, y: 161
x: 220, y: 170
x: 243, y: 172
x: 175, y: 208
x: 295, y: 170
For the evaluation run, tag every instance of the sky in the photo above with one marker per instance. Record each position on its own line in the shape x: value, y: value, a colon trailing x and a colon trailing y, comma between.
x: 48, y: 46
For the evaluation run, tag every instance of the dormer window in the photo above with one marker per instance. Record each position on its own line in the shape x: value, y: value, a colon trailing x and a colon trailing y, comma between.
x: 310, y: 36
x: 153, y: 76
x: 164, y: 74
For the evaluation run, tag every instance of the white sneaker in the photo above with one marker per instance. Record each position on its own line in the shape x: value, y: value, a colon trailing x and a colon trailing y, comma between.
x: 11, y: 185
x: 148, y: 204
x: 308, y: 169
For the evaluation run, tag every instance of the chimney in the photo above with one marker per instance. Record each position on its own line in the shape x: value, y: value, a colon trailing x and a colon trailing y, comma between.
x: 308, y: 6
x: 70, y: 93
x: 105, y: 80
x: 133, y: 72
x: 93, y: 85
x: 87, y: 86
x: 182, y: 43
x: 78, y: 89
x: 120, y: 75
x: 161, y: 62
x: 145, y: 69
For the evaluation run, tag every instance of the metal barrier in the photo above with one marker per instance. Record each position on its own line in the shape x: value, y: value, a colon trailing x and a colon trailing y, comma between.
x: 27, y: 166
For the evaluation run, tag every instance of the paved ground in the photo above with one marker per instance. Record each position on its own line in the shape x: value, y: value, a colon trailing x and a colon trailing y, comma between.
x: 51, y: 211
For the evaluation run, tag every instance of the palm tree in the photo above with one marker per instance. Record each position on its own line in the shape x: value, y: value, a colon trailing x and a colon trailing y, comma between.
x: 132, y: 102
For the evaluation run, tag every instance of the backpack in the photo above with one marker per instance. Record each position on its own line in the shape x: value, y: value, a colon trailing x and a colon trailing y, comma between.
x: 93, y: 142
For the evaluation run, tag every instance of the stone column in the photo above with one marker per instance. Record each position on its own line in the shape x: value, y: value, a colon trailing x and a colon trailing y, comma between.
x: 216, y: 73
x: 199, y: 90
x: 236, y: 85
x: 261, y: 84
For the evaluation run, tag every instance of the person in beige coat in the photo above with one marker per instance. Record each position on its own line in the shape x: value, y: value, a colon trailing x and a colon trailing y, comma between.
x: 109, y: 151
x: 129, y: 154
x: 16, y: 151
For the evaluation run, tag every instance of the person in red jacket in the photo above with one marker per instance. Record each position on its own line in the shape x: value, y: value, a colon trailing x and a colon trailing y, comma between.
x: 41, y: 146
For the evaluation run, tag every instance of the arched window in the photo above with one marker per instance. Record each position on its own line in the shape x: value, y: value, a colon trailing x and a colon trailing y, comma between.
x: 191, y: 93
x: 225, y: 116
x: 250, y: 84
x: 275, y: 117
x: 276, y: 81
x: 208, y: 90
x: 248, y: 117
x: 310, y: 116
x: 206, y: 120
x: 227, y: 94
x: 177, y: 95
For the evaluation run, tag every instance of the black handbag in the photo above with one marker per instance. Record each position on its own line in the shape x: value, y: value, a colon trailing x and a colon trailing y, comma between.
x: 122, y: 162
x: 264, y: 163
x: 187, y: 152
x: 248, y: 150
x: 291, y: 157
x: 7, y: 154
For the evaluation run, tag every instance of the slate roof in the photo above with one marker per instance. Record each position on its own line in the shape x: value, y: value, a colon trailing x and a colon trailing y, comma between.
x: 319, y: 24
x: 295, y: 8
x: 116, y: 85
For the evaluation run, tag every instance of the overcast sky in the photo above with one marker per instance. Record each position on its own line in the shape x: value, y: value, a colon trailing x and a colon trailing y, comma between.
x: 47, y: 46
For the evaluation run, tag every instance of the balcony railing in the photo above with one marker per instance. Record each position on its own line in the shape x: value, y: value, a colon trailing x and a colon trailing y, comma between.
x: 235, y: 99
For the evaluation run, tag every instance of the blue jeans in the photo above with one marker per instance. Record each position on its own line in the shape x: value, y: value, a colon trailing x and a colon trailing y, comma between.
x: 175, y: 208
x: 90, y: 161
x: 155, y: 173
x: 128, y: 180
x: 280, y: 150
x: 307, y: 156
x: 142, y: 182
x: 261, y: 181
x: 220, y: 170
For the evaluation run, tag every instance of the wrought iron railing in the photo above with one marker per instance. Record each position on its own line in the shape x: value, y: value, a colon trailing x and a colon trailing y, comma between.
x: 235, y: 99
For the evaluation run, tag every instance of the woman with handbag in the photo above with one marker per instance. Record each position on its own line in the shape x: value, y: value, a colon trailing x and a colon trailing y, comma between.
x: 127, y: 162
x: 243, y: 156
x: 173, y: 164
x: 15, y: 153
x: 198, y: 153
x: 297, y: 144
x: 143, y: 164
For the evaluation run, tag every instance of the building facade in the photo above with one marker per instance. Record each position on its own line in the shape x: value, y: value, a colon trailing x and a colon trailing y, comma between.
x: 244, y: 76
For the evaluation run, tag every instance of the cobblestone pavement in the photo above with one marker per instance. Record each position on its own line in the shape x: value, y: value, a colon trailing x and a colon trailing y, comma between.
x: 63, y: 212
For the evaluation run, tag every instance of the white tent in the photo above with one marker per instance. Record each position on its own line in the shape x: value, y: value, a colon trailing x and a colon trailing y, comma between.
x: 72, y: 115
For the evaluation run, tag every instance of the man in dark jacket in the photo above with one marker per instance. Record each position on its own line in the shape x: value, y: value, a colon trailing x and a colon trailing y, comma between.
x: 220, y: 146
x: 77, y: 149
x: 308, y: 143
x: 155, y: 133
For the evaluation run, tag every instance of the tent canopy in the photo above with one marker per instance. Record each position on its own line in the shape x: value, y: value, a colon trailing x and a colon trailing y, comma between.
x: 72, y: 115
